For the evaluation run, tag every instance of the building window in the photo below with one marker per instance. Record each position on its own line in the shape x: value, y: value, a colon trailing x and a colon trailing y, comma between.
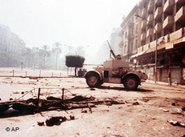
x: 136, y: 28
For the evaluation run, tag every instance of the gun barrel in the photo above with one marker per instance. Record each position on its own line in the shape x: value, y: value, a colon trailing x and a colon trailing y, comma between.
x: 111, y: 51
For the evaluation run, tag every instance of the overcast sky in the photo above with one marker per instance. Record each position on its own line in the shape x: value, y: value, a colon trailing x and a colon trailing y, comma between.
x: 86, y: 23
x: 71, y: 22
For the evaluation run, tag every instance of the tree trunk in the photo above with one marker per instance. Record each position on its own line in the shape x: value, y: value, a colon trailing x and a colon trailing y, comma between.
x: 75, y: 71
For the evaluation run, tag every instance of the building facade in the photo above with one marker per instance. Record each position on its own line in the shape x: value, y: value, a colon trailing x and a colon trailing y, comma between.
x: 11, y: 48
x: 153, y: 37
x: 114, y: 41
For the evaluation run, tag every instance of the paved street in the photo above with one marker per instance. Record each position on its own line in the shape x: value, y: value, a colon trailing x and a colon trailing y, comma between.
x: 146, y: 112
x: 53, y: 51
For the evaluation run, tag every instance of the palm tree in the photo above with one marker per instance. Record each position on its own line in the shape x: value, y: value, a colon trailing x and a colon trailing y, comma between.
x: 43, y: 53
x: 46, y: 54
x: 57, y: 50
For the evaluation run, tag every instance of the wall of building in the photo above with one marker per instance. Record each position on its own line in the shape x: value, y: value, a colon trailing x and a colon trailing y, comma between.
x: 130, y: 34
x: 115, y: 40
x: 11, y: 48
x: 154, y: 23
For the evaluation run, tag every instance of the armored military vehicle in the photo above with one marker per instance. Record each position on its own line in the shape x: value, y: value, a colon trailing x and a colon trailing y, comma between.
x: 115, y: 70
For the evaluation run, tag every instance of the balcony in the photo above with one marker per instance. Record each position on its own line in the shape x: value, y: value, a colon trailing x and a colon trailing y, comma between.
x: 150, y: 19
x: 158, y: 13
x: 180, y: 2
x: 180, y: 15
x: 158, y: 2
x: 150, y: 32
x: 143, y: 36
x: 176, y: 35
x: 145, y: 47
x: 151, y: 6
x: 158, y: 27
x: 168, y: 6
x: 143, y: 14
x: 168, y: 22
x: 143, y: 25
x: 140, y: 49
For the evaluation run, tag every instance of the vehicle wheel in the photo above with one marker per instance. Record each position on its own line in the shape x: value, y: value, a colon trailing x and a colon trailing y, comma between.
x: 101, y: 82
x: 131, y: 83
x: 93, y: 81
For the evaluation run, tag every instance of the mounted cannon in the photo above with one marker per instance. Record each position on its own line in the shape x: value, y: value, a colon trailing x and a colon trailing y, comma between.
x: 116, y: 71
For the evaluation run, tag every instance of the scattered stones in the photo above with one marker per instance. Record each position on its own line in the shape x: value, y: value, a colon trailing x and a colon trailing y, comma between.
x: 40, y: 123
x: 165, y: 110
x: 173, y: 104
x: 135, y: 103
x: 16, y: 92
x: 177, y: 111
x: 142, y: 121
x: 63, y: 119
x: 120, y: 107
x: 72, y: 117
x: 176, y: 123
x: 53, y: 121
x: 57, y: 120
x: 146, y: 99
x: 84, y: 111
x: 108, y: 103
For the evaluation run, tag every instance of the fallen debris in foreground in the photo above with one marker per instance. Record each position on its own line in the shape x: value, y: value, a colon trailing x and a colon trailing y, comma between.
x: 35, y: 105
x: 176, y: 123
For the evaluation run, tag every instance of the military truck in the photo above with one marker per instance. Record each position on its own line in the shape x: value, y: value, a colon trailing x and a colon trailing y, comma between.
x: 115, y: 70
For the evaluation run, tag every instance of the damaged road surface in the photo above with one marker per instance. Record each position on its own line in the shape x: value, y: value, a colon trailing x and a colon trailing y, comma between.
x: 152, y: 111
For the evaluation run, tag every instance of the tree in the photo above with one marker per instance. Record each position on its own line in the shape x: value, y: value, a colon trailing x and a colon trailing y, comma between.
x: 80, y: 51
x: 74, y: 61
x: 27, y: 57
x: 58, y: 50
x: 45, y: 54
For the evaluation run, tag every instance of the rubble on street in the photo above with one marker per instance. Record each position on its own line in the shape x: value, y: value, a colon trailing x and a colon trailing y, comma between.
x: 67, y: 107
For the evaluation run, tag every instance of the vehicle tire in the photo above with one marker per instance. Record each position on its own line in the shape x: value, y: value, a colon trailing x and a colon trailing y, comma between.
x: 93, y: 80
x: 131, y: 83
x: 101, y: 82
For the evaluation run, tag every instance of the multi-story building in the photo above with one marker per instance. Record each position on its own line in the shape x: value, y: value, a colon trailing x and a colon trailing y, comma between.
x: 153, y: 37
x: 131, y: 29
x: 11, y: 48
x: 115, y: 40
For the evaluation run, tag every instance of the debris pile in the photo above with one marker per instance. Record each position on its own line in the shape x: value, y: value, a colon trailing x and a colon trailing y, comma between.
x: 34, y: 105
x: 55, y: 120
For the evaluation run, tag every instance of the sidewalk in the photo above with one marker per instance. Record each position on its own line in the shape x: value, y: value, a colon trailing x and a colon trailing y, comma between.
x: 165, y: 84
